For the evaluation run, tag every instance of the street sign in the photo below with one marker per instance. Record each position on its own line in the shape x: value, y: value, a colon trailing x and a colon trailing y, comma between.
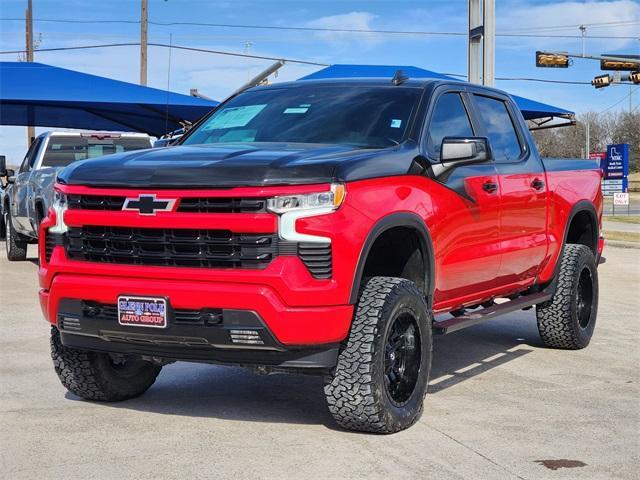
x: 615, y: 168
x: 621, y: 199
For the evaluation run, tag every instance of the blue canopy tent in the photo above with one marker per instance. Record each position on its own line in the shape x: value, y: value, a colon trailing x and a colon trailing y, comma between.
x: 538, y: 113
x: 42, y: 95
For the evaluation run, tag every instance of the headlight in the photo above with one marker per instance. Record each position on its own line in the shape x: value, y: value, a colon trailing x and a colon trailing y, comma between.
x: 292, y: 207
x: 59, y: 207
x: 309, y: 201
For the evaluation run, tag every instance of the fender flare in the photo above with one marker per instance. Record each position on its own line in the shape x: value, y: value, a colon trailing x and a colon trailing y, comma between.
x: 581, y: 206
x: 401, y: 219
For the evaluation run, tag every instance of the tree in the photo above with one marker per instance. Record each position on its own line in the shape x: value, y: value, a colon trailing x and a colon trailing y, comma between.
x: 604, y: 129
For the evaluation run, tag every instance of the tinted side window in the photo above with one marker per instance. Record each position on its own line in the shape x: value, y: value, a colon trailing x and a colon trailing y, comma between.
x: 29, y: 158
x: 449, y: 119
x: 500, y: 129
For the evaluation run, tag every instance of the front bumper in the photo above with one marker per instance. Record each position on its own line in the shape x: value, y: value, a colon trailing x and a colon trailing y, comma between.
x: 289, y: 334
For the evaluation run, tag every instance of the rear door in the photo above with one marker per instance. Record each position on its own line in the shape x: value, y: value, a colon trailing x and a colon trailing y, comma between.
x: 467, y: 241
x: 523, y: 231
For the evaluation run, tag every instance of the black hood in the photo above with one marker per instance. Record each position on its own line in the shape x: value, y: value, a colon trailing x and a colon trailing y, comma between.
x: 232, y: 165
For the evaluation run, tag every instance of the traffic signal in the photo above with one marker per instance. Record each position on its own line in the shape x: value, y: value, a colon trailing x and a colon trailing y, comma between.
x: 552, y: 60
x: 632, y: 63
x: 635, y: 77
x: 602, y: 81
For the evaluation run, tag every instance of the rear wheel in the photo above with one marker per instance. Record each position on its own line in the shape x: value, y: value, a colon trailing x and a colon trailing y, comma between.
x: 3, y: 229
x: 101, y: 376
x: 383, y: 370
x: 567, y: 321
x: 16, y: 247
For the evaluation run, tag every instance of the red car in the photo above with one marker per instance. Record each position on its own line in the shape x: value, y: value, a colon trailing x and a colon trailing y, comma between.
x: 319, y: 227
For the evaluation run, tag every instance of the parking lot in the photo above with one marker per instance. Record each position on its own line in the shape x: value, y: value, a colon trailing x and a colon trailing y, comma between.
x: 500, y: 406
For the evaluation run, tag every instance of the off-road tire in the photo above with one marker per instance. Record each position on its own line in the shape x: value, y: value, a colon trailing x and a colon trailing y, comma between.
x: 92, y: 375
x: 15, y: 246
x: 357, y: 394
x: 562, y: 323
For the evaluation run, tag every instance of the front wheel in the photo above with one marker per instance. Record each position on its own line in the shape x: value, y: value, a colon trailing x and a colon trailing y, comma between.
x: 101, y: 376
x: 567, y: 321
x: 16, y: 247
x: 383, y: 370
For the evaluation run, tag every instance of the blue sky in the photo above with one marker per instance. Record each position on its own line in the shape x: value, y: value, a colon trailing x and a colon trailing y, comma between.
x: 216, y: 76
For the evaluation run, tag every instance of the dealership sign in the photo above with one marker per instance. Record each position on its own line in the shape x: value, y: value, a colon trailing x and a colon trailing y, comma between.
x: 615, y: 169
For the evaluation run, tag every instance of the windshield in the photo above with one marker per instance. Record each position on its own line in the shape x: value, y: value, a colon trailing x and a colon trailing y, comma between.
x: 61, y: 151
x: 370, y: 117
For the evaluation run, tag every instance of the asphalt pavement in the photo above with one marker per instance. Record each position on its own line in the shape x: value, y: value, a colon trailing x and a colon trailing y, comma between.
x: 501, y: 406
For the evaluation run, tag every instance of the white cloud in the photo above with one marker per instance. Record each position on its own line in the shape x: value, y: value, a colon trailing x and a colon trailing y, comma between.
x: 347, y: 21
x: 527, y: 18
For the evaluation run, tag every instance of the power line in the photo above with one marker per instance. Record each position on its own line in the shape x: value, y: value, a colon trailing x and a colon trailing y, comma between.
x: 617, y: 24
x: 323, y: 29
x: 544, y: 80
x: 165, y: 45
x: 264, y: 57
x: 631, y: 92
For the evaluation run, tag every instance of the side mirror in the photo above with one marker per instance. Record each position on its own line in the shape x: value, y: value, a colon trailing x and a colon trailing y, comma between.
x: 464, y: 151
x: 3, y: 166
x: 10, y: 174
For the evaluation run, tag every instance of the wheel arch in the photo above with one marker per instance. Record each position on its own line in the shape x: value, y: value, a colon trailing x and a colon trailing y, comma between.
x: 582, y: 211
x: 405, y: 220
x: 39, y: 209
x: 582, y: 226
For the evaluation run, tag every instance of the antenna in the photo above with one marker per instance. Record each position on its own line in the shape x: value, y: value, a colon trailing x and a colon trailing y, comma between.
x: 399, y: 78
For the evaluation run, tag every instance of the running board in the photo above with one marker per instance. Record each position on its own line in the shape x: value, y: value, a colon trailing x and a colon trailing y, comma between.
x: 458, y: 323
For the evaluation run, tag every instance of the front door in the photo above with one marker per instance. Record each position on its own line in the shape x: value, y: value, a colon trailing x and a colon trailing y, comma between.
x: 20, y: 190
x: 466, y: 236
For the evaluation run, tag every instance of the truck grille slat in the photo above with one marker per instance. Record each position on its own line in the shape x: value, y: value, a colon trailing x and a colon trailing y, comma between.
x: 186, y: 205
x: 179, y: 316
x: 171, y: 247
x: 49, y: 245
x: 317, y: 258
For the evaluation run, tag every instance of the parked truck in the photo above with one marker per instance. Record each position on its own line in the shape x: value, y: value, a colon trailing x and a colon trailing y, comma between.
x: 30, y: 191
x: 324, y: 227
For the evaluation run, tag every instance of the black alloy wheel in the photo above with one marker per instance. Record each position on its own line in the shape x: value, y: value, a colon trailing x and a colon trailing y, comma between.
x: 402, y: 358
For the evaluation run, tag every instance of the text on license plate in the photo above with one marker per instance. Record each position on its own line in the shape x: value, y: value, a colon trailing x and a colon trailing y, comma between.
x: 142, y: 312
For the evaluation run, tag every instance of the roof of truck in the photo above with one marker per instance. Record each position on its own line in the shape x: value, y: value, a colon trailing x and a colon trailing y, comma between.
x: 531, y: 109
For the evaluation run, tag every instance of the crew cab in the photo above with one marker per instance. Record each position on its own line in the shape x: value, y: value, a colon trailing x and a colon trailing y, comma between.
x: 327, y: 227
x: 30, y: 191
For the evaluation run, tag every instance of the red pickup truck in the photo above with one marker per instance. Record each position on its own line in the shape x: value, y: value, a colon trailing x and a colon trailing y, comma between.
x: 326, y: 227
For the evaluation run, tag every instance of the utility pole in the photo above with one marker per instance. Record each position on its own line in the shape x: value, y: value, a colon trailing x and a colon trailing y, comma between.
x: 583, y: 33
x: 587, y: 136
x: 143, y: 42
x: 482, y: 42
x: 31, y: 131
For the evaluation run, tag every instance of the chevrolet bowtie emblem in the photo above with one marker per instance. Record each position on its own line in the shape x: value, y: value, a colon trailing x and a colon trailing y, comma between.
x: 148, y: 204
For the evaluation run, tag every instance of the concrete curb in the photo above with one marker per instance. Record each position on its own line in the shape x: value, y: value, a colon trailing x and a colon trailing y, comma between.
x: 620, y: 244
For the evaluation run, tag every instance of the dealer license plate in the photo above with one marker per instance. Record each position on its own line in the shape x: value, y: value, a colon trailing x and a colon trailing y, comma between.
x: 142, y: 312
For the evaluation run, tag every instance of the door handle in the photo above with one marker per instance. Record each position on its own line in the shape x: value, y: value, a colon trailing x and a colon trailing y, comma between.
x: 490, y: 187
x: 537, y: 184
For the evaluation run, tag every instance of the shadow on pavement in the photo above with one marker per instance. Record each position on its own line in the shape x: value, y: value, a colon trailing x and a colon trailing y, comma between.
x: 199, y: 390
